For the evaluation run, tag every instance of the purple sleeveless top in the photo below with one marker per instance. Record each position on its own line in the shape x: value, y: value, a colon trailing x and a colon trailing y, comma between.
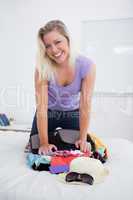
x: 66, y: 98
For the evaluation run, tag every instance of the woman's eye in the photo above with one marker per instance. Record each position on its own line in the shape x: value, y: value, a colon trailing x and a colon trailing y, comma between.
x: 57, y: 42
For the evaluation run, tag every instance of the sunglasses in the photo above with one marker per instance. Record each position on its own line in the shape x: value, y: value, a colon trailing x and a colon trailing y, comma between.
x: 78, y: 177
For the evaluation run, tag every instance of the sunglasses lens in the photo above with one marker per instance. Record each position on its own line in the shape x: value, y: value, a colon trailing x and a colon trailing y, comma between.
x: 86, y: 178
x: 72, y: 176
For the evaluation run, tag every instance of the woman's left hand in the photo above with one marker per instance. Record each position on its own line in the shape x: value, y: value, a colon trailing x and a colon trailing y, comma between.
x: 83, y: 145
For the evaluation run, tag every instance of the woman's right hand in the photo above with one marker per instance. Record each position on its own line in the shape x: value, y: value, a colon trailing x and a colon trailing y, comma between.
x: 46, y: 149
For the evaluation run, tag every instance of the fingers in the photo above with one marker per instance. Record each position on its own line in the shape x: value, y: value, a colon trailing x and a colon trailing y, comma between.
x: 54, y: 148
x: 77, y: 144
x: 44, y: 150
x: 84, y: 148
x: 83, y: 145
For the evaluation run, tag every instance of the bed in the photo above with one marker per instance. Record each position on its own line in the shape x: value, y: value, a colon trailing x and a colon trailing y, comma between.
x: 19, y: 182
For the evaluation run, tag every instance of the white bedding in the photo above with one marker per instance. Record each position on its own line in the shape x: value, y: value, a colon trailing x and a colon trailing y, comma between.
x: 19, y: 182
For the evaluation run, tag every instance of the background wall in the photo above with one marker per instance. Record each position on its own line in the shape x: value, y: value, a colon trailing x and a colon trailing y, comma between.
x: 19, y: 23
x: 109, y: 43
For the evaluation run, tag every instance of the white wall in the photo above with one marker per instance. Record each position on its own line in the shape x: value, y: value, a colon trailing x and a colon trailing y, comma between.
x: 110, y: 44
x: 19, y: 23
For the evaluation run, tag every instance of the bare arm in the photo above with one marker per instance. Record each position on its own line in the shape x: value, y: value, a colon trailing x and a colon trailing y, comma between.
x: 85, y: 101
x: 85, y: 105
x: 41, y: 93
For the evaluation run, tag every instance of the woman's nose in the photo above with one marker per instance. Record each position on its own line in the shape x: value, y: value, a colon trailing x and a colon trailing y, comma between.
x: 54, y: 49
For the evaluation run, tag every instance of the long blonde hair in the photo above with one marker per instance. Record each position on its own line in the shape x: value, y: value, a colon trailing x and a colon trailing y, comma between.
x: 45, y: 65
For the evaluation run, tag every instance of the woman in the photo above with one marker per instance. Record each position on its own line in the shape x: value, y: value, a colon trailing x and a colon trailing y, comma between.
x: 63, y: 87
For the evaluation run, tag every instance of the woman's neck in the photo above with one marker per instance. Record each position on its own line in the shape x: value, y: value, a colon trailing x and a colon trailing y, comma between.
x: 63, y: 65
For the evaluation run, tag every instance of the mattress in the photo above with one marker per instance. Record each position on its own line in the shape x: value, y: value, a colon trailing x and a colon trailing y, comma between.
x: 19, y: 182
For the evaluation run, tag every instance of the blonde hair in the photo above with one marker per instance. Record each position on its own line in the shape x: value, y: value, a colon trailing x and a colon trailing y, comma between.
x: 45, y: 65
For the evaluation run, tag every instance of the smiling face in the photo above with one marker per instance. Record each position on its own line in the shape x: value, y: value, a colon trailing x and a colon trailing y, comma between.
x: 57, y: 47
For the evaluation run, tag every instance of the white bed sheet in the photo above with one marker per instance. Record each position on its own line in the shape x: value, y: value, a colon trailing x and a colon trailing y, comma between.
x: 19, y: 182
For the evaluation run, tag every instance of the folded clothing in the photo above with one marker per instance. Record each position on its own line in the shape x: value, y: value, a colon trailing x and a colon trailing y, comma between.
x: 34, y: 160
x: 100, y: 152
x: 55, y: 162
x: 60, y: 164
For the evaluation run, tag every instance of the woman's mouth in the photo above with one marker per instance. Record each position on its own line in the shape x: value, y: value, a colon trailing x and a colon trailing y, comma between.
x: 58, y: 55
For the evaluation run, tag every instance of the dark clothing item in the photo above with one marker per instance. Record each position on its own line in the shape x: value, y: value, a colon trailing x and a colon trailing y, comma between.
x: 63, y: 119
x: 98, y: 156
x: 41, y: 167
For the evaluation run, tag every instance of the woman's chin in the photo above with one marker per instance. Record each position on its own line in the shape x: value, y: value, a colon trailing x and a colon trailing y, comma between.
x: 60, y: 61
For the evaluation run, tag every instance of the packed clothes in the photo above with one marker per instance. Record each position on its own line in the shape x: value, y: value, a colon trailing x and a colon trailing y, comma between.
x: 88, y: 165
x: 55, y: 162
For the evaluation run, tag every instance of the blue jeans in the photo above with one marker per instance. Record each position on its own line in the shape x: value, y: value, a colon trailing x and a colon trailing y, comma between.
x: 63, y: 119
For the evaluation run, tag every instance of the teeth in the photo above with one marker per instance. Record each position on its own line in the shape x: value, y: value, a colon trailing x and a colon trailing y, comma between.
x: 57, y: 55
